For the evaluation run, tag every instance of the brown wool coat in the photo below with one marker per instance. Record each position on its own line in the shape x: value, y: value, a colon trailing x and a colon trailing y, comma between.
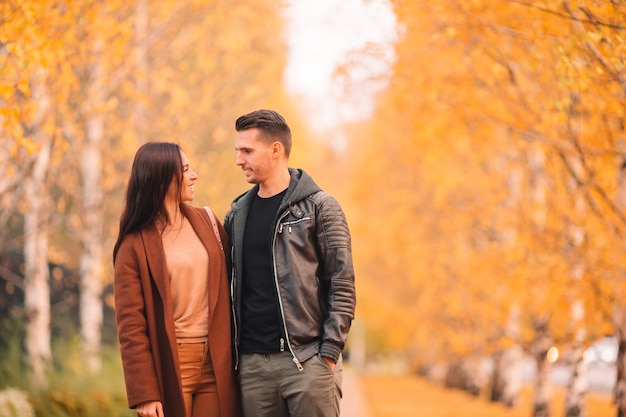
x: 145, y: 319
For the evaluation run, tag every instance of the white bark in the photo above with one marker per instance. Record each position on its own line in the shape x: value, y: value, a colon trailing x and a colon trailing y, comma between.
x: 506, y: 380
x: 619, y: 311
x: 543, y: 340
x: 36, y: 285
x: 358, y: 346
x: 91, y: 309
x: 466, y: 374
x: 91, y: 285
x: 141, y: 78
x: 543, y: 386
x: 576, y: 396
x: 619, y: 319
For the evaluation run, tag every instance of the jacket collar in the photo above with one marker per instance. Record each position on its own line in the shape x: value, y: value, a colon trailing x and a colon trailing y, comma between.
x: 300, y: 187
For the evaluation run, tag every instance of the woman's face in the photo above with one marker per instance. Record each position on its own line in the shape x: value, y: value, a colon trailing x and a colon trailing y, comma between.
x: 187, y: 186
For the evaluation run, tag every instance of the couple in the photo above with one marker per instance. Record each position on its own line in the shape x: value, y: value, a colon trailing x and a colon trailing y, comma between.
x: 280, y: 268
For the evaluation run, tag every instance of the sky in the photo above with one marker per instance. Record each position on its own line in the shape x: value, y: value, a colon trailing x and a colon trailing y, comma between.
x: 322, y: 34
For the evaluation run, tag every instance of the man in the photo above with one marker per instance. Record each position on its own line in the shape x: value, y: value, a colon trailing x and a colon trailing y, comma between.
x: 292, y: 279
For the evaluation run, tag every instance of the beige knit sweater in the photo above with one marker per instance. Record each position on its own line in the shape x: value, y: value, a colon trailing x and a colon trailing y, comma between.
x: 188, y: 266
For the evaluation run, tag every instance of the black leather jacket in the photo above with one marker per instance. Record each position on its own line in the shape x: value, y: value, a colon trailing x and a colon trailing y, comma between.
x: 313, y: 270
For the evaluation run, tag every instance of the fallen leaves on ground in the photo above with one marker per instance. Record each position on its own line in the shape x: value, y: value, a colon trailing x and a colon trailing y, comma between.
x: 411, y: 396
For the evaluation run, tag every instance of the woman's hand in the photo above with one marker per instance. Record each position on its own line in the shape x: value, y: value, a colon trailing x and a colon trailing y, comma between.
x: 150, y: 409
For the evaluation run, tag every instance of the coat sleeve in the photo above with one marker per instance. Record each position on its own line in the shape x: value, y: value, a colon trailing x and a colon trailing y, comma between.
x: 132, y: 326
x: 338, y: 275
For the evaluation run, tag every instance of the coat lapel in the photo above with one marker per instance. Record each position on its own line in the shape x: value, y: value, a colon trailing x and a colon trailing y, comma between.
x: 155, y: 256
x: 201, y: 225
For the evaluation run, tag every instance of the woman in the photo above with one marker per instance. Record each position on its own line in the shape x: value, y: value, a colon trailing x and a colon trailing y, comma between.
x: 171, y: 294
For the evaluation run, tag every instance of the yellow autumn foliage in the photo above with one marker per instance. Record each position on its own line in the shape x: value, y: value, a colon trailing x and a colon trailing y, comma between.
x: 494, y: 146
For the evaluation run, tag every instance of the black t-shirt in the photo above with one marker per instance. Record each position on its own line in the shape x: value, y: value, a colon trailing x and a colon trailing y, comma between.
x: 261, y: 323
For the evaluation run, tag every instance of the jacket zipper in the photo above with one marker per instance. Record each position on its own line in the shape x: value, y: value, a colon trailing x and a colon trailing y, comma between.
x: 289, y: 224
x: 232, y: 308
x: 279, y: 229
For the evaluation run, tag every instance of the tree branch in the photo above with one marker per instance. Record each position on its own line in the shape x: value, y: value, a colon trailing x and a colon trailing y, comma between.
x: 11, y: 277
x: 568, y: 16
x: 592, y: 48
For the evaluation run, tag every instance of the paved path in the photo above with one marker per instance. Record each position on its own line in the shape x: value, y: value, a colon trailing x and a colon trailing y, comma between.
x: 353, y: 401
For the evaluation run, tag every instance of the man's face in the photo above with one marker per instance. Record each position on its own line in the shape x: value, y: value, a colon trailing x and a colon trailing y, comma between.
x: 253, y: 156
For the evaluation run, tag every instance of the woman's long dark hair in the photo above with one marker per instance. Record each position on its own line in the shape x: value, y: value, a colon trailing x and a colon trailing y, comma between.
x: 154, y: 167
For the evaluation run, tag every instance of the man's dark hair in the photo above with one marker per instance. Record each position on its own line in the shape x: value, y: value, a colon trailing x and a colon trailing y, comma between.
x: 272, y: 126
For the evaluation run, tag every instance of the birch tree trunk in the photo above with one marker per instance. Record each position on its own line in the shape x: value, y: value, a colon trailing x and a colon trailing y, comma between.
x: 506, y: 382
x: 37, y: 273
x: 619, y: 318
x: 619, y: 311
x: 141, y: 74
x: 543, y: 340
x: 465, y: 374
x: 358, y: 347
x: 575, y: 402
x: 36, y: 286
x: 543, y: 386
x: 91, y: 307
